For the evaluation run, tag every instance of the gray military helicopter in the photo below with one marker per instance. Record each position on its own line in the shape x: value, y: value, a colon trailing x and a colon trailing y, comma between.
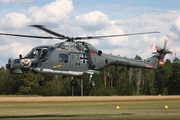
x: 74, y: 57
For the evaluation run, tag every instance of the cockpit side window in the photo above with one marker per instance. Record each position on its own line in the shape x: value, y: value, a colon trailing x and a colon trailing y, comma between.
x: 63, y: 58
x: 49, y: 51
x: 44, y: 52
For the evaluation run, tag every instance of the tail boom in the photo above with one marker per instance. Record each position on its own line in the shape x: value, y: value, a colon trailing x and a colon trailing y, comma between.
x: 153, y: 62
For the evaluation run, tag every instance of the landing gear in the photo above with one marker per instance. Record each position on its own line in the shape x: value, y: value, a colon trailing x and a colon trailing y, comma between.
x: 42, y: 82
x: 91, y: 82
x: 74, y: 81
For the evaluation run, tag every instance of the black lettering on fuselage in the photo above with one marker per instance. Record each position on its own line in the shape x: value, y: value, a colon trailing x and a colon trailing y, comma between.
x: 122, y: 62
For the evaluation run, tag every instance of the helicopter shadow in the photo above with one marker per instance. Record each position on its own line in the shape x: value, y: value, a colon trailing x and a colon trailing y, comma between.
x: 37, y: 116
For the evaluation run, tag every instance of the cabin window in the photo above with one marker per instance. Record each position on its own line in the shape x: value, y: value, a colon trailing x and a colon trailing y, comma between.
x: 63, y: 58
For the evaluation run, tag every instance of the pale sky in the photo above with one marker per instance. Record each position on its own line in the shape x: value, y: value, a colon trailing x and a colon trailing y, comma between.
x: 91, y: 17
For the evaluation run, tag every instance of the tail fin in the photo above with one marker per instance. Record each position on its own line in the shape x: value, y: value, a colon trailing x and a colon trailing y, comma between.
x: 156, y: 61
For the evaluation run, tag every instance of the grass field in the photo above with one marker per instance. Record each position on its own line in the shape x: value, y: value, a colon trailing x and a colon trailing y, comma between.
x: 90, y: 108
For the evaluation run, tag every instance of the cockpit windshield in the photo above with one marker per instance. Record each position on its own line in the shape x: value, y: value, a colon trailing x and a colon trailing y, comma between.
x: 39, y: 52
x: 33, y: 53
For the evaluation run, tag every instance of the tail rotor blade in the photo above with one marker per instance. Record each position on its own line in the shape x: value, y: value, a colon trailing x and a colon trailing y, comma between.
x: 154, y: 47
x: 173, y: 54
x: 165, y: 41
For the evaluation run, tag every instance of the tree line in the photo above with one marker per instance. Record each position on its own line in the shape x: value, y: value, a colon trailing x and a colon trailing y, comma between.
x: 111, y: 81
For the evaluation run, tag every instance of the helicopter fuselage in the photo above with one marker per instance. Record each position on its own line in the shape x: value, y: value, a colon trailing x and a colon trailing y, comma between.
x: 71, y: 59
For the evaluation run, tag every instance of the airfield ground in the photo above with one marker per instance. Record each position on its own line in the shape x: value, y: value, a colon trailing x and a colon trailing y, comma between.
x: 90, y: 108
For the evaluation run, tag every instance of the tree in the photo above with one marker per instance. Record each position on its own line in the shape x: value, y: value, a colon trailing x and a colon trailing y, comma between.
x: 4, y: 80
x: 28, y: 83
x: 125, y: 86
x: 174, y: 81
x: 148, y: 82
x: 136, y: 76
x: 162, y: 76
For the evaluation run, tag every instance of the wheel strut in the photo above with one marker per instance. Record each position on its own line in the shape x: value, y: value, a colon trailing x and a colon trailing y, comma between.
x: 91, y: 82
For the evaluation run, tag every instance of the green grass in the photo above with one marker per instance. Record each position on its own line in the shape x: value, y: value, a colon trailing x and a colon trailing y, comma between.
x: 136, y: 110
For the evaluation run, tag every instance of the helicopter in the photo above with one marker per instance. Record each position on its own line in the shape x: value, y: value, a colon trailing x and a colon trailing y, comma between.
x: 75, y: 58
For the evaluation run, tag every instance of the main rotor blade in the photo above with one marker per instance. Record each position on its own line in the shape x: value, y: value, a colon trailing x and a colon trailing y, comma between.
x: 97, y: 37
x: 49, y: 31
x: 30, y: 36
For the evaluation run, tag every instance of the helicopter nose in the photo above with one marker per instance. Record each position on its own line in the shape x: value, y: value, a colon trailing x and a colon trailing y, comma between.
x: 14, y: 66
x: 10, y: 62
x: 26, y: 63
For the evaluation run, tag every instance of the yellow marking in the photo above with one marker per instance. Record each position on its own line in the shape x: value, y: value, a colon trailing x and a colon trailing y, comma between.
x: 57, y: 66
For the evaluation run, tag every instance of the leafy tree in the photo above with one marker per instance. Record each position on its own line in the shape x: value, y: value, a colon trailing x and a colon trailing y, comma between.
x: 28, y: 83
x: 4, y: 80
x: 162, y: 76
x: 174, y: 81
x: 148, y: 82
x: 125, y: 86
x: 136, y: 76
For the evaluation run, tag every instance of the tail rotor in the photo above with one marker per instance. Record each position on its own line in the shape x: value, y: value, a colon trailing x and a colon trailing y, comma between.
x: 162, y: 51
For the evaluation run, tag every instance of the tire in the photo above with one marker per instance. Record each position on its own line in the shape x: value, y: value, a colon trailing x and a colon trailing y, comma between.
x: 92, y: 84
x: 42, y: 83
x: 73, y: 82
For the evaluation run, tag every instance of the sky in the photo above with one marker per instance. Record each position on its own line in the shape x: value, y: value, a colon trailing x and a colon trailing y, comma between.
x: 91, y: 18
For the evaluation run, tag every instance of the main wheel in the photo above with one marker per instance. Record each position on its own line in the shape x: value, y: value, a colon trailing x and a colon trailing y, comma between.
x: 73, y: 82
x: 42, y: 83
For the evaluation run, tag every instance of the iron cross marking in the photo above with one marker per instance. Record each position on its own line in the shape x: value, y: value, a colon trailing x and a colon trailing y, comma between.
x: 84, y: 58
